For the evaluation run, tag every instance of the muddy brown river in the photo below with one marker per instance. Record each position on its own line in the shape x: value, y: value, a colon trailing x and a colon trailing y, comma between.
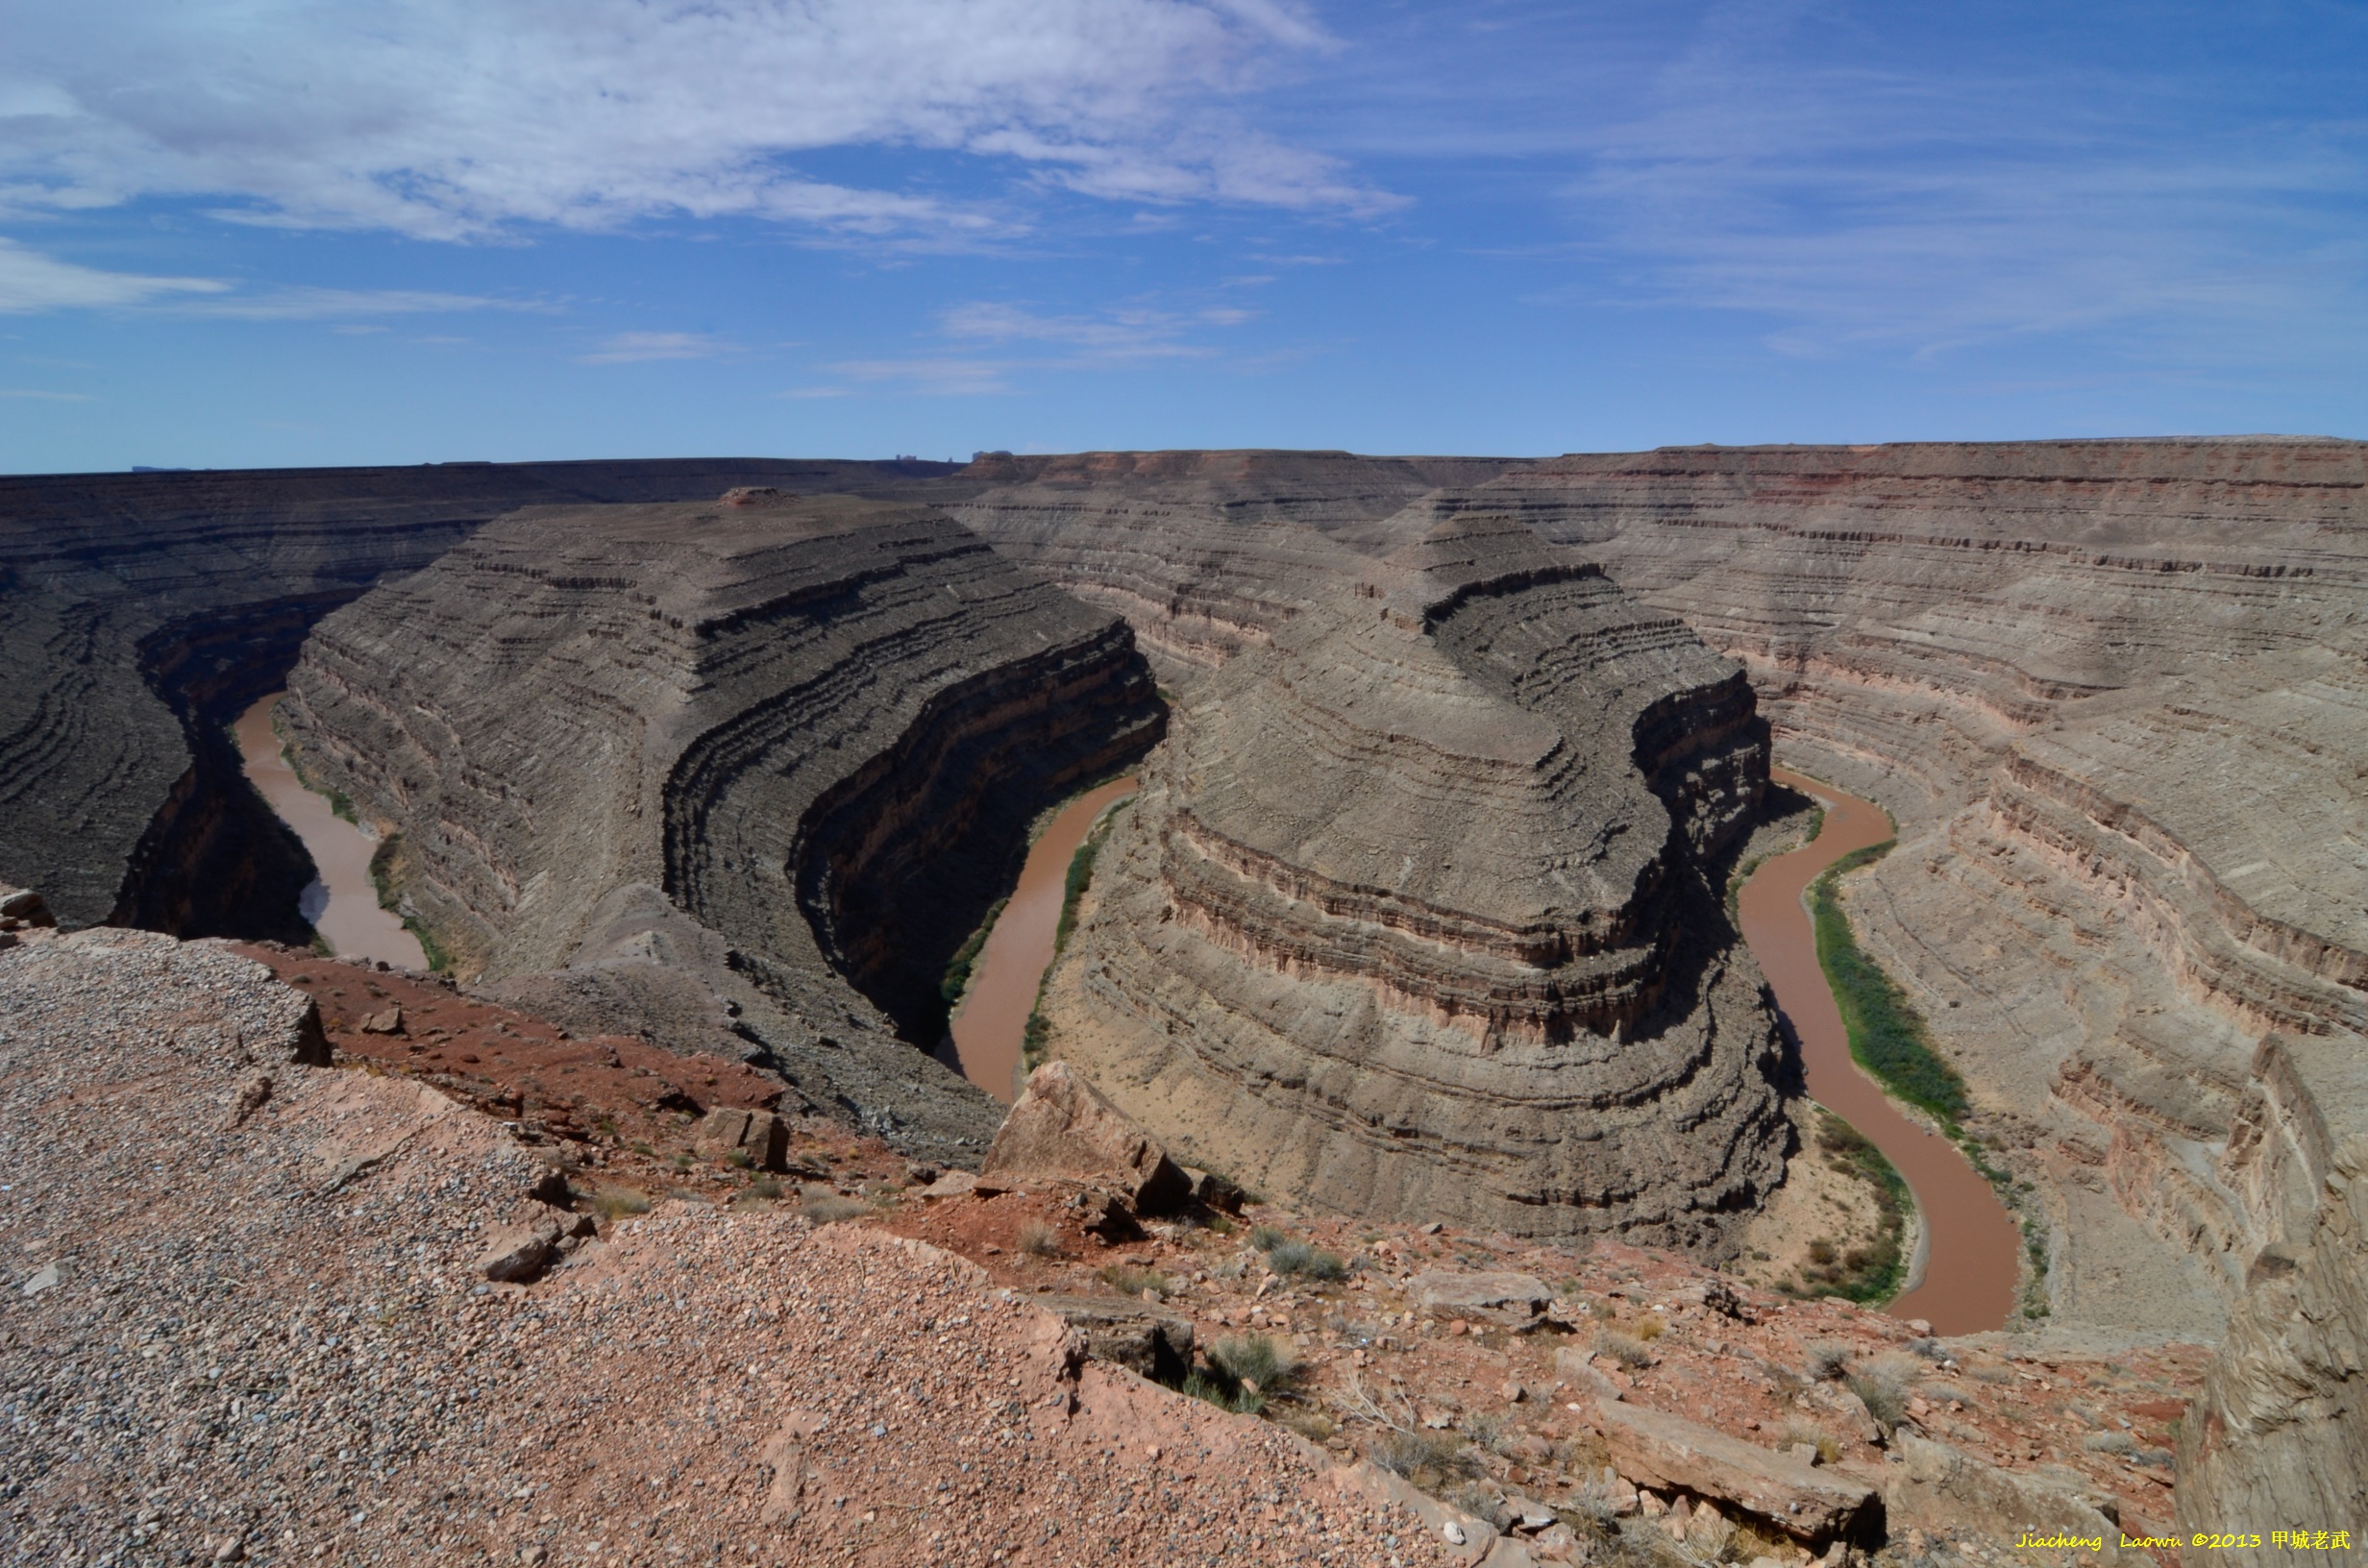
x: 343, y: 905
x: 1971, y: 1248
x: 988, y: 1030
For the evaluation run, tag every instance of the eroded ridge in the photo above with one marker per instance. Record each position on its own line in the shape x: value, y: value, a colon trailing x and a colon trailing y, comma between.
x: 140, y: 613
x: 1205, y: 553
x: 790, y: 747
x: 1410, y: 916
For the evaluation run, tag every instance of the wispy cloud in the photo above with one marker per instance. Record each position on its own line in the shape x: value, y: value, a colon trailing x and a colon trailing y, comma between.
x: 454, y: 119
x: 30, y: 280
x: 1120, y: 333
x: 633, y: 348
x: 1861, y: 201
x: 332, y: 303
x: 934, y: 378
x: 39, y: 396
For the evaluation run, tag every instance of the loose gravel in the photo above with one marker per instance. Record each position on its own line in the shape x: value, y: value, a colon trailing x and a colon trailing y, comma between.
x: 243, y: 1321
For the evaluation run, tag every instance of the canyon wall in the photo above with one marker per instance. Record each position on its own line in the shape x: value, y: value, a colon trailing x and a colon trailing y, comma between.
x: 139, y: 612
x: 779, y: 752
x: 1415, y: 914
x: 1205, y: 553
x: 2116, y: 694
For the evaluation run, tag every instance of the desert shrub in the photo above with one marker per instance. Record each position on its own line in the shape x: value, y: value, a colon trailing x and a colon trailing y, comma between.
x: 1265, y: 1237
x: 1630, y: 1353
x: 1887, y: 1036
x: 1305, y: 1261
x: 1883, y: 1390
x: 1257, y: 1359
x: 1312, y: 1425
x: 1421, y: 1457
x: 612, y: 1203
x: 1826, y: 1360
x: 2109, y: 1442
x: 1225, y: 1396
x: 1130, y: 1280
x: 1828, y: 1448
x: 1931, y: 1350
x: 1650, y: 1328
x: 831, y: 1210
x: 1039, y: 1240
x: 764, y: 1187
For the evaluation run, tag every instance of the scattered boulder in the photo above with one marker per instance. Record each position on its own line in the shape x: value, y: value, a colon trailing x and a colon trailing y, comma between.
x: 1650, y: 1448
x: 387, y: 1023
x: 21, y: 909
x: 1105, y: 1215
x: 1943, y: 1491
x: 954, y: 1184
x: 48, y: 1277
x: 519, y: 1253
x: 1063, y: 1126
x: 1149, y: 1341
x: 252, y: 1095
x: 1212, y: 1190
x: 762, y: 1136
x: 1514, y: 1301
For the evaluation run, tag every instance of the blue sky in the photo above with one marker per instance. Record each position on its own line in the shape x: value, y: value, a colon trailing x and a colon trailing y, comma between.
x: 263, y: 231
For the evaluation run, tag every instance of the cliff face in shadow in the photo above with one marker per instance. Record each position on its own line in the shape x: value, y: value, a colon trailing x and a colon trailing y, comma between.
x: 1411, y: 918
x: 788, y: 749
x: 138, y: 613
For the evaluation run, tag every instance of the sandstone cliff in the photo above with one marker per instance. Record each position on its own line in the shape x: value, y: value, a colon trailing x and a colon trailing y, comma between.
x: 140, y: 612
x: 787, y: 749
x: 1411, y: 919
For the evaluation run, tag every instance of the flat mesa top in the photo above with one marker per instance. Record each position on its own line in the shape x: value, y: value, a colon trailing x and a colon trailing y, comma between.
x: 738, y: 522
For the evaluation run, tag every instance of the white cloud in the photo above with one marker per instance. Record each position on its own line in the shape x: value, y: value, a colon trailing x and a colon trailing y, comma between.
x: 38, y: 396
x: 454, y: 119
x: 633, y: 347
x: 30, y: 280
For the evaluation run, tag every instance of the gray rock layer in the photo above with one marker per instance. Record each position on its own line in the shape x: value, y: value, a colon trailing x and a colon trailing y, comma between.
x: 1409, y: 918
x: 788, y: 747
x: 140, y: 612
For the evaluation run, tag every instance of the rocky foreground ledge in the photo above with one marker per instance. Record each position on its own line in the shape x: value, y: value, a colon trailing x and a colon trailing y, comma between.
x: 264, y: 1309
x: 249, y: 1319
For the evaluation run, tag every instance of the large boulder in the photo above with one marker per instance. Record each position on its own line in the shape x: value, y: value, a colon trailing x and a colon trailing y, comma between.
x: 1062, y: 1126
x: 1514, y: 1301
x: 1154, y: 1342
x: 760, y: 1134
x: 1942, y: 1491
x: 1669, y: 1453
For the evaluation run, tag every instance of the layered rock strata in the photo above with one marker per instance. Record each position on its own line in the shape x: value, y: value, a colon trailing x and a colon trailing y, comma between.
x: 2279, y: 1431
x: 1205, y: 553
x: 2116, y: 693
x: 1409, y: 918
x: 777, y: 753
x: 139, y: 613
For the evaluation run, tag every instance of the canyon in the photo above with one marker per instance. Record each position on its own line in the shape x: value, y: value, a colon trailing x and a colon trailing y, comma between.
x: 737, y: 779
x: 760, y: 762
